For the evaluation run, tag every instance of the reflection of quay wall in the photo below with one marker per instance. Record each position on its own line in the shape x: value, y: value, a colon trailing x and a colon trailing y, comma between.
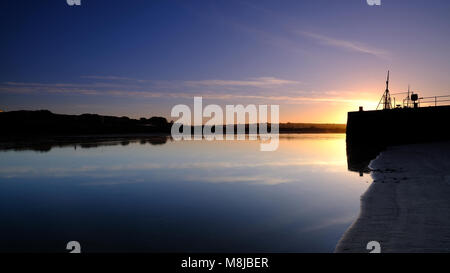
x: 368, y: 132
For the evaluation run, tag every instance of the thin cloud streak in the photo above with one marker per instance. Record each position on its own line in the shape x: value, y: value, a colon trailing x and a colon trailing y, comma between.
x: 343, y: 44
x: 252, y: 82
x: 74, y: 89
x: 113, y: 78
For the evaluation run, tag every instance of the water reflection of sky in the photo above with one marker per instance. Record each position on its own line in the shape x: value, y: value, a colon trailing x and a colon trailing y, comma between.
x: 181, y: 196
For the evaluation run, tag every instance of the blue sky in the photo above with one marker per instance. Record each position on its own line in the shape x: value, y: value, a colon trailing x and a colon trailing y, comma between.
x: 317, y: 59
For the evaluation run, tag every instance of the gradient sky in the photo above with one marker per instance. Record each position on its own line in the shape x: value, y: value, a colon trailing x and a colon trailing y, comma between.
x: 317, y: 59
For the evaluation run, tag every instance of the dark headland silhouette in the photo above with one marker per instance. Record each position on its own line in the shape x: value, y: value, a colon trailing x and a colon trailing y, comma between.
x: 43, y: 122
x: 42, y: 130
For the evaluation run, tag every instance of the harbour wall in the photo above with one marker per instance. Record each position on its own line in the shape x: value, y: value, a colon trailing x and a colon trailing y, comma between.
x: 369, y: 132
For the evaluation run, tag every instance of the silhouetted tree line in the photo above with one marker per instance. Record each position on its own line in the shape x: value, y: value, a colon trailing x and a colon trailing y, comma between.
x: 44, y: 122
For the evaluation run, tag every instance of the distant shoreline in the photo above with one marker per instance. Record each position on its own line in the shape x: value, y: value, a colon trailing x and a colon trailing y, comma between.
x: 43, y: 123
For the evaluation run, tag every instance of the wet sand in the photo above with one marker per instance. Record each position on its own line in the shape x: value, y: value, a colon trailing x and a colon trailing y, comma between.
x: 407, y: 208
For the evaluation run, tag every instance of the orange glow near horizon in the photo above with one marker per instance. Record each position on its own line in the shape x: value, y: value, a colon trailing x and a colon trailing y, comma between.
x: 326, y: 112
x: 336, y: 114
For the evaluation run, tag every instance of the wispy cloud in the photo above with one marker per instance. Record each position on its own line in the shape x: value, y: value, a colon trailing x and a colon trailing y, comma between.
x: 112, y: 78
x: 252, y: 96
x: 252, y: 82
x: 284, y: 37
x: 259, y: 82
x: 344, y: 44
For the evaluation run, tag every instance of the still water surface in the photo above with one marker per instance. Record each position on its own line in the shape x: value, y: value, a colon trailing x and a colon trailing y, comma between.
x: 195, y: 196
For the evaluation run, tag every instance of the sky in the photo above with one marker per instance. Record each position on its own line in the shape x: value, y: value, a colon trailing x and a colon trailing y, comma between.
x: 317, y: 59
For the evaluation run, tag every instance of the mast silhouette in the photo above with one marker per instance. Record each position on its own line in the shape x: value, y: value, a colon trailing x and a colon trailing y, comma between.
x: 386, y: 98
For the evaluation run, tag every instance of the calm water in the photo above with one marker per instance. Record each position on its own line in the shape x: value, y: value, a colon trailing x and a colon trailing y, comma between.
x: 195, y: 196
